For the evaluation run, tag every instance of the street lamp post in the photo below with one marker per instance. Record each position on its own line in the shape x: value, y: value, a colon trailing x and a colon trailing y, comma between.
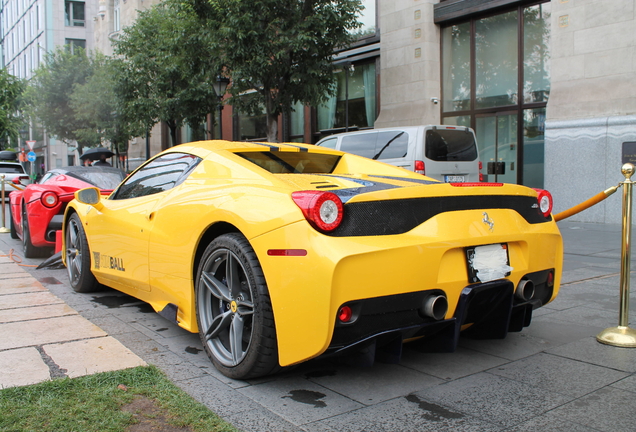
x: 220, y: 88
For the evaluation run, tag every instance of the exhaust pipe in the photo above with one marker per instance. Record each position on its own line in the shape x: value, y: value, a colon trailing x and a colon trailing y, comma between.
x: 525, y: 290
x: 435, y: 306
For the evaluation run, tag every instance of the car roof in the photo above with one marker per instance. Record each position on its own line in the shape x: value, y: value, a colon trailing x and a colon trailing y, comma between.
x: 243, y: 146
x: 204, y: 148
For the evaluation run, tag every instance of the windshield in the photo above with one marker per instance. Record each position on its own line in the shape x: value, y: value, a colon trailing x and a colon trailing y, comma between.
x: 293, y: 162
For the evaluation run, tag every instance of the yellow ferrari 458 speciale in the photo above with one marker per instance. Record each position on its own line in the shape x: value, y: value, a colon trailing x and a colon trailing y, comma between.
x: 279, y: 253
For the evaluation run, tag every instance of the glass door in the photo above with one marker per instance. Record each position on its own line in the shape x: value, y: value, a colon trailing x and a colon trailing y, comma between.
x: 497, y: 142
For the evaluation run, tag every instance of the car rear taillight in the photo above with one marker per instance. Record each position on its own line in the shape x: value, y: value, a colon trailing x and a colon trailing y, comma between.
x: 19, y: 180
x: 544, y: 199
x: 550, y: 281
x: 49, y: 199
x: 420, y: 168
x: 322, y: 209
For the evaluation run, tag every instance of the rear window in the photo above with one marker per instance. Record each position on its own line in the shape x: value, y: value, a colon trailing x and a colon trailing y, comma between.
x: 377, y: 145
x: 445, y: 145
x: 6, y: 168
x: 100, y: 179
x: 293, y: 162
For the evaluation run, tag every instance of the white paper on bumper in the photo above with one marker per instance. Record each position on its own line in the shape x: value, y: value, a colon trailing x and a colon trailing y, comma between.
x: 490, y: 262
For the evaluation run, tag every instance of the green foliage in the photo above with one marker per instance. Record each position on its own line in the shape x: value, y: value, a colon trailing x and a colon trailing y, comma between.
x: 93, y: 403
x: 11, y: 101
x: 49, y: 94
x: 280, y: 49
x: 167, y: 69
x: 97, y: 106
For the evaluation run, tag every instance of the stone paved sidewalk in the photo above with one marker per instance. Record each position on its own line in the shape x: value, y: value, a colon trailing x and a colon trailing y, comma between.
x: 41, y: 337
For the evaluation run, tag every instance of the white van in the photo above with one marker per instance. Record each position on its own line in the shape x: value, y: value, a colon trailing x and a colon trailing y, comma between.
x: 445, y: 153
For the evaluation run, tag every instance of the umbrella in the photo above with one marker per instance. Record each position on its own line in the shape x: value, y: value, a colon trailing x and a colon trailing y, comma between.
x: 96, y: 153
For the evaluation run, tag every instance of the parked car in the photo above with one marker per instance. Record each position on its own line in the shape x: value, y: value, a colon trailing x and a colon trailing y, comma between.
x: 37, y: 211
x: 445, y: 153
x: 279, y: 253
x: 14, y: 174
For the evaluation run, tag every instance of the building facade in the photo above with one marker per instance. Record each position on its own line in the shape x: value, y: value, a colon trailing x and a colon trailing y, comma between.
x: 547, y: 86
x: 28, y: 30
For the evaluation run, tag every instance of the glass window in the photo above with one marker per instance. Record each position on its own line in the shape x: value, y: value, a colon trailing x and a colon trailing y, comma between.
x: 73, y: 45
x: 278, y: 162
x: 458, y: 121
x: 450, y: 145
x: 74, y: 14
x: 103, y: 178
x: 354, y: 103
x: 189, y: 134
x: 391, y: 144
x: 297, y: 123
x: 508, y: 70
x: 116, y: 17
x: 360, y: 144
x: 536, y: 53
x: 252, y: 128
x: 456, y: 61
x: 160, y: 174
x: 496, y: 48
x: 533, y: 147
x: 329, y: 143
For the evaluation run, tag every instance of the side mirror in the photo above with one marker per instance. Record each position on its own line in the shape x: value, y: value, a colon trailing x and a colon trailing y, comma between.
x: 90, y: 196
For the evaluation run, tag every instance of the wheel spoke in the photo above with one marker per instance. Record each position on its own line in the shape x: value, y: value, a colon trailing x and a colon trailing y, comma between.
x: 236, y: 338
x: 245, y: 307
x: 216, y: 287
x: 72, y: 234
x: 233, y: 270
x: 220, y: 323
x: 77, y: 265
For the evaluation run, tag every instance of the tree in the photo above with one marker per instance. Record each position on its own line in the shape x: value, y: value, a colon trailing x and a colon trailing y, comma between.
x: 167, y: 69
x: 98, y: 106
x: 277, y: 52
x: 11, y: 101
x: 49, y: 95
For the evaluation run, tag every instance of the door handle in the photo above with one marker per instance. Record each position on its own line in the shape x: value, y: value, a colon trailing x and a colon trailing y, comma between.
x: 151, y: 215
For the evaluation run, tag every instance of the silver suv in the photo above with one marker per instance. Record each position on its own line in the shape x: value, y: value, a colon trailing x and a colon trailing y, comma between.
x: 13, y: 172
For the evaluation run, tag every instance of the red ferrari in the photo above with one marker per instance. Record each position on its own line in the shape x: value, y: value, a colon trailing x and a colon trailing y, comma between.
x: 37, y: 211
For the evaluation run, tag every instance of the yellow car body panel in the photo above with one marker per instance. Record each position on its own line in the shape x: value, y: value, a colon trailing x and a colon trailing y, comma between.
x: 148, y: 246
x: 363, y: 267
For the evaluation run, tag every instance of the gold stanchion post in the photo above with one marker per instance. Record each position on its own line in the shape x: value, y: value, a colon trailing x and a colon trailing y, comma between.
x: 3, y: 229
x: 622, y: 335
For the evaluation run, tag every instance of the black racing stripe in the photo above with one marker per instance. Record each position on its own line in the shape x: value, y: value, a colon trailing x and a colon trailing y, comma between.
x: 272, y: 148
x: 367, y: 186
x: 411, y: 180
x: 373, y: 218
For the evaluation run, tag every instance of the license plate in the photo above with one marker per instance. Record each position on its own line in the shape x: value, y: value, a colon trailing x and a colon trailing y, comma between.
x: 488, y: 263
x: 453, y: 179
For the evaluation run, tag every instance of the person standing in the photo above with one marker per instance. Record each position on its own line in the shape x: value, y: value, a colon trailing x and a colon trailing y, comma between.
x: 102, y: 161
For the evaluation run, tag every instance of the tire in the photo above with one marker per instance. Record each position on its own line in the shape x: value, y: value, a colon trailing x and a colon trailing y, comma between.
x: 233, y: 305
x: 28, y: 249
x: 78, y: 258
x: 14, y: 233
